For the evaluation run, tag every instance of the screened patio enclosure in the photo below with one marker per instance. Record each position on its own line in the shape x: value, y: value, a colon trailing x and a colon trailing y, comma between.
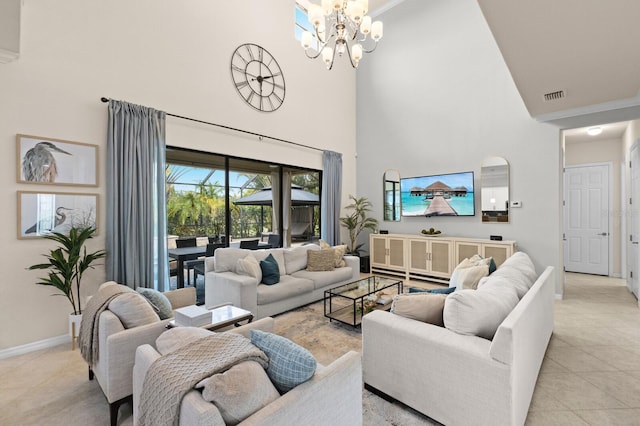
x: 230, y: 199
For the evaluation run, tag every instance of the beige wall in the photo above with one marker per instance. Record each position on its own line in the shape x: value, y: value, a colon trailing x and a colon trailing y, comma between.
x: 602, y: 151
x: 173, y: 56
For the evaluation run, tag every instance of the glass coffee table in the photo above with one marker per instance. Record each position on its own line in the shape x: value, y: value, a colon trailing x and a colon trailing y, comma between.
x: 349, y: 302
x: 222, y: 316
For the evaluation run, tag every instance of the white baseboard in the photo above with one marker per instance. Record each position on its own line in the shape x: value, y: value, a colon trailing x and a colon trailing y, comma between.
x: 616, y: 276
x: 35, y: 346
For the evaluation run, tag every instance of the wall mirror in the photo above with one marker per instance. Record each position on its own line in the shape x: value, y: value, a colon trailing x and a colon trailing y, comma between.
x: 494, y: 193
x: 391, y: 195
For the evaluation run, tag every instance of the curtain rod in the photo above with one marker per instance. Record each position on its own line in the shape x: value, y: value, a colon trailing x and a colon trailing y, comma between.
x: 105, y: 100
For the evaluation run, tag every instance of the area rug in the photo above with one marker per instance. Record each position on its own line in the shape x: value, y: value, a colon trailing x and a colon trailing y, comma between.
x: 327, y: 341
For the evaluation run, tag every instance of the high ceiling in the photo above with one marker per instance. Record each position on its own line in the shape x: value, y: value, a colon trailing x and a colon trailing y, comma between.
x: 586, y: 49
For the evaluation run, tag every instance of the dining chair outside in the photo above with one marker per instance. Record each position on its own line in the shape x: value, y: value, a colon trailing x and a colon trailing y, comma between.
x: 186, y: 242
x: 249, y: 244
x: 198, y: 265
x: 274, y: 240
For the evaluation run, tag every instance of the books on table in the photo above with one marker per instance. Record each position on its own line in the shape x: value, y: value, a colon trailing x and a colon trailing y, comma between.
x: 192, y: 316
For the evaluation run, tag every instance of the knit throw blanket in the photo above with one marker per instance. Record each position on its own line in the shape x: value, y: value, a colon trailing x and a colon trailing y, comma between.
x: 171, y: 376
x: 88, y: 334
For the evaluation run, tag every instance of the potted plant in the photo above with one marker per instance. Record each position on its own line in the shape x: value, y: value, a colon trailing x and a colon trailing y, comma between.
x: 67, y: 264
x: 357, y: 221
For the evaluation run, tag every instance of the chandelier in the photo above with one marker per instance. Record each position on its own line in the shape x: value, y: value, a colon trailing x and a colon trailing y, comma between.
x: 341, y: 26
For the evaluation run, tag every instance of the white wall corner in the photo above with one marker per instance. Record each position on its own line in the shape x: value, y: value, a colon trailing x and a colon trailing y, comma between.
x: 7, y: 56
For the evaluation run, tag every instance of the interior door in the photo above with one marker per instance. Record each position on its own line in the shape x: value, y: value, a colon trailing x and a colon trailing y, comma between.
x: 634, y: 238
x: 587, y: 219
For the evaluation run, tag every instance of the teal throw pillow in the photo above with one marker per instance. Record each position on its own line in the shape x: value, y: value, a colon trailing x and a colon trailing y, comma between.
x: 289, y: 363
x: 270, y: 270
x: 492, y: 266
x: 445, y: 290
x: 158, y: 301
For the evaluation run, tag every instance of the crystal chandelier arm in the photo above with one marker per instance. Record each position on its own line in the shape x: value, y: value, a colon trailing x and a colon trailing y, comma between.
x: 321, y: 45
x: 369, y: 51
x: 353, y: 64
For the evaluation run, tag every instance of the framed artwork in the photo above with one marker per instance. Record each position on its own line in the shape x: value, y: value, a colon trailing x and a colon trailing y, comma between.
x: 54, y: 161
x: 40, y: 213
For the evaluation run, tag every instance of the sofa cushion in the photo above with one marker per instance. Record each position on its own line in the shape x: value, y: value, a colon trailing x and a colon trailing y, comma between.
x: 270, y: 271
x: 322, y: 279
x: 177, y: 337
x: 321, y: 260
x: 289, y: 363
x: 295, y: 258
x: 250, y: 267
x: 159, y: 301
x: 425, y: 307
x: 509, y: 276
x: 522, y: 261
x: 226, y: 258
x: 133, y: 310
x: 287, y: 287
x: 478, y: 313
x: 240, y: 391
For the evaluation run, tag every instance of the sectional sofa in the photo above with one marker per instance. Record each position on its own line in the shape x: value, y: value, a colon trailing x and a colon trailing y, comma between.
x: 450, y: 373
x: 226, y: 282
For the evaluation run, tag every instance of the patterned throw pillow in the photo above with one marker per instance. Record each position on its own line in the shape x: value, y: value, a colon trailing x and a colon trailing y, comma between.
x: 270, y: 270
x: 159, y: 302
x: 321, y: 260
x: 289, y: 363
x: 339, y: 252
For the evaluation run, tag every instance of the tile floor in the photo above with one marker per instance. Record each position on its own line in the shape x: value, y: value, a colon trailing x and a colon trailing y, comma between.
x: 590, y: 376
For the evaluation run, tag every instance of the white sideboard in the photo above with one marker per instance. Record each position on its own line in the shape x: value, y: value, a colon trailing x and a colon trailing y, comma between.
x: 430, y: 258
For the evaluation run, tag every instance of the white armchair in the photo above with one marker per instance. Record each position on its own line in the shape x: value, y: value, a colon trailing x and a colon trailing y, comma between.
x: 117, y: 348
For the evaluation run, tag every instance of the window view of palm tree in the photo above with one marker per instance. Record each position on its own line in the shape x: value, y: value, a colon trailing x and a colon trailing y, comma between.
x: 196, y: 190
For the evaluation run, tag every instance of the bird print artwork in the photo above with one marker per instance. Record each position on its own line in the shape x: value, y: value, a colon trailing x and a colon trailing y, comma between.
x: 45, y: 226
x: 39, y: 163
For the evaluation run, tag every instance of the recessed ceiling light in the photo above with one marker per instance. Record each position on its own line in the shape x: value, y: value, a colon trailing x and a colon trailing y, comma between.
x: 593, y: 131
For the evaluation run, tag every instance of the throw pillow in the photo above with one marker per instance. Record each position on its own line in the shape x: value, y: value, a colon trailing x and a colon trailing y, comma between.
x: 468, y: 276
x: 339, y: 252
x: 270, y: 271
x: 227, y: 257
x: 321, y: 260
x: 479, y: 260
x: 177, y: 337
x: 250, y: 267
x: 289, y: 363
x: 133, y: 310
x: 295, y: 258
x: 445, y: 290
x: 159, y: 301
x: 240, y: 391
x: 479, y: 313
x: 426, y: 307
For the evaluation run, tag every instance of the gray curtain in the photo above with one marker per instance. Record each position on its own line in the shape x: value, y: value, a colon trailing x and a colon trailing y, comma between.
x: 331, y: 196
x: 136, y: 237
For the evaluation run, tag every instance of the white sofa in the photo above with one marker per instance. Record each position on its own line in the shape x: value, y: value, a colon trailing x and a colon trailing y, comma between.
x: 297, y: 286
x: 460, y: 379
x: 333, y: 396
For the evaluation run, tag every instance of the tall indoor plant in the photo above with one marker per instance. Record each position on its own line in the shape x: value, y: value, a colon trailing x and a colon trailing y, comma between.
x: 357, y: 221
x: 67, y: 263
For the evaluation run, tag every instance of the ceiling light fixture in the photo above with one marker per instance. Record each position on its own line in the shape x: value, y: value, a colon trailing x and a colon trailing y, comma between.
x: 340, y: 26
x: 594, y: 131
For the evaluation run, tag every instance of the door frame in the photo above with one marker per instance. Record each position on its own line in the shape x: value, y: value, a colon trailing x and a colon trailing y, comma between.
x: 609, y: 165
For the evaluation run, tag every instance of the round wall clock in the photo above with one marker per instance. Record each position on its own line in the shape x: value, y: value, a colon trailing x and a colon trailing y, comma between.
x: 257, y: 77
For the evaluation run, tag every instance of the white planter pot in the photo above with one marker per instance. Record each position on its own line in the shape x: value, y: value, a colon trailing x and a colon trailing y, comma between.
x: 74, y: 328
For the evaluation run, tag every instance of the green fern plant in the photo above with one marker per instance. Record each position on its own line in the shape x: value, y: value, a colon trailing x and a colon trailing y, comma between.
x: 67, y: 264
x: 357, y: 221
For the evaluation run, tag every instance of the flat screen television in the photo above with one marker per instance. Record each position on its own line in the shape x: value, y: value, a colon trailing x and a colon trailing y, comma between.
x: 438, y: 195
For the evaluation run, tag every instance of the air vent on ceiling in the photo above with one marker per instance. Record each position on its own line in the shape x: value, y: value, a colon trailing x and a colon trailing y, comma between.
x: 554, y: 96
